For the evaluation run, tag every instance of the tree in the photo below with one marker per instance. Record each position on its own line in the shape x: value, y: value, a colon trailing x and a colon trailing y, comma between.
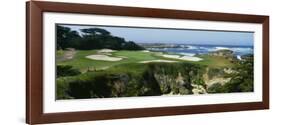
x: 132, y: 46
x: 95, y: 31
x: 92, y: 38
x: 66, y: 37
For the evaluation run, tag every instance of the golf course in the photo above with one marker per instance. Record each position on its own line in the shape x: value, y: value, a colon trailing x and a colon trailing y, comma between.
x: 100, y: 65
x: 100, y: 60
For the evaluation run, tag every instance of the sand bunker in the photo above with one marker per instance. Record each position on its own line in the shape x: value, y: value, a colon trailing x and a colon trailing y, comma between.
x: 186, y: 58
x: 191, y: 58
x: 106, y: 51
x: 146, y: 51
x: 103, y: 58
x: 172, y: 56
x: 167, y: 61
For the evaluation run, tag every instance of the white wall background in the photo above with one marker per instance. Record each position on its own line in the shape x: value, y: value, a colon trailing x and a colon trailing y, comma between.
x: 12, y: 61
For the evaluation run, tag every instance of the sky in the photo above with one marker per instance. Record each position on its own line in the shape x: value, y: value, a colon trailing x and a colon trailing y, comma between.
x: 179, y: 36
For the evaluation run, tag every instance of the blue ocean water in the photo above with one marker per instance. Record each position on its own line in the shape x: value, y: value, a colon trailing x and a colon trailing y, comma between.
x: 191, y: 50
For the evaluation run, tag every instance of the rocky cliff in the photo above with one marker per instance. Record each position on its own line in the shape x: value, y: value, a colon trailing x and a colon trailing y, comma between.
x: 156, y: 79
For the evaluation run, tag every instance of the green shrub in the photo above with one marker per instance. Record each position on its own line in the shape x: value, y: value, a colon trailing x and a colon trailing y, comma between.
x: 216, y: 88
x: 66, y: 70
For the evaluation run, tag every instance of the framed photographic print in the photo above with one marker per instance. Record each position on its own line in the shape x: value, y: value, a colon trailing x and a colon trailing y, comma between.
x: 95, y: 62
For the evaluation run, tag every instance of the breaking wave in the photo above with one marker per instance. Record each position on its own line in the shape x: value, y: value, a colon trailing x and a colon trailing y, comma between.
x: 191, y: 50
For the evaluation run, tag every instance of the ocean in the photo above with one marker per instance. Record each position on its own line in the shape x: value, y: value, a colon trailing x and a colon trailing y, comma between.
x: 191, y: 50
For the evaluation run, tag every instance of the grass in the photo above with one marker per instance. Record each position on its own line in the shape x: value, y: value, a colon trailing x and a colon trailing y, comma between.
x: 133, y: 58
x: 215, y: 61
x: 81, y: 62
x: 59, y: 53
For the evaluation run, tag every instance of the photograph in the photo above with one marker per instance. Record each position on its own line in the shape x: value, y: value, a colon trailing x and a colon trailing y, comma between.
x: 95, y: 61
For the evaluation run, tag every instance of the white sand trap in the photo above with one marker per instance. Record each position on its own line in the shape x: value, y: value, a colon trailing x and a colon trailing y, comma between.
x: 171, y: 56
x: 146, y: 51
x: 103, y: 58
x: 186, y: 58
x: 149, y: 61
x: 191, y: 58
x: 106, y: 51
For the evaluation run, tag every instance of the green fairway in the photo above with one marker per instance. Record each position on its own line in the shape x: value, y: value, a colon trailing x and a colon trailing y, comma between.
x: 214, y: 61
x: 79, y: 61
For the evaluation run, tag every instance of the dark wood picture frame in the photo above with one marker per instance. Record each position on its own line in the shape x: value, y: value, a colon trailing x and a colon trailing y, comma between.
x: 34, y: 61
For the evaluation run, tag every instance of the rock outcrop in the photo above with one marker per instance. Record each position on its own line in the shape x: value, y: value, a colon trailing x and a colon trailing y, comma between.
x: 156, y: 79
